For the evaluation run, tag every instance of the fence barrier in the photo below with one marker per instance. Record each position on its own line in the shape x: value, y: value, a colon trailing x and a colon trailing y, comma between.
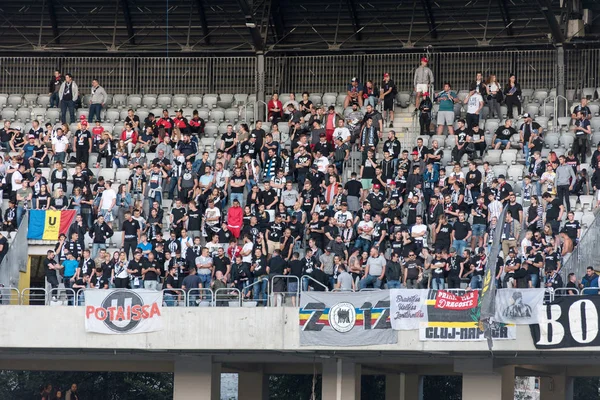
x: 34, y: 297
x: 287, y: 293
x: 200, y: 298
x: 224, y: 297
x: 315, y: 74
x: 62, y: 297
x: 9, y: 295
x: 174, y: 298
x: 228, y: 297
x: 256, y: 288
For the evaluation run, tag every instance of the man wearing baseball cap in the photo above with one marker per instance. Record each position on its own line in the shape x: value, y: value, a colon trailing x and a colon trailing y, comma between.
x: 355, y: 93
x: 423, y: 78
x: 386, y: 94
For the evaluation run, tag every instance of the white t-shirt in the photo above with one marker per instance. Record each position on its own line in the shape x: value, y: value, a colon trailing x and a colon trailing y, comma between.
x: 247, y: 247
x: 212, y: 213
x: 341, y: 217
x: 60, y: 145
x: 322, y: 163
x: 107, y: 197
x: 474, y: 102
x: 419, y: 229
x: 16, y: 176
x: 342, y: 132
x: 367, y: 228
x: 221, y: 177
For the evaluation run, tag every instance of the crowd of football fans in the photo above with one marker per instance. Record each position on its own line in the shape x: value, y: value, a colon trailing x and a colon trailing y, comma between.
x: 263, y: 206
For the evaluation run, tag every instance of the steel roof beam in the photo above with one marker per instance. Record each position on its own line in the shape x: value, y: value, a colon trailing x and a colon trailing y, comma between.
x: 202, y: 15
x: 430, y: 18
x: 128, y: 21
x: 506, y: 17
x: 355, y: 20
x: 53, y: 22
x: 557, y: 33
x: 251, y: 25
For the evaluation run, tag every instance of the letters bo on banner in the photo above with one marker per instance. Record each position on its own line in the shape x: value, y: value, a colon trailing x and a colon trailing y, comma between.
x: 568, y: 322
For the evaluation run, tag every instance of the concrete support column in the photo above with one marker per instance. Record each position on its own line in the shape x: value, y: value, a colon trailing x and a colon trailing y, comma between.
x: 403, y: 387
x: 499, y: 385
x: 560, y: 80
x: 556, y: 387
x: 260, y: 109
x: 341, y: 380
x: 253, y: 385
x: 197, y: 378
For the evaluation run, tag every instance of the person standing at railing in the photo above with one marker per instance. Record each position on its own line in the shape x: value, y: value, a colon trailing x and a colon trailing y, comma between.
x: 192, y: 285
x: 51, y: 267
x: 422, y: 79
x: 589, y: 280
x: 170, y: 295
x: 512, y: 96
x: 583, y: 133
x: 69, y: 267
x: 68, y: 95
x: 97, y: 99
x: 53, y: 88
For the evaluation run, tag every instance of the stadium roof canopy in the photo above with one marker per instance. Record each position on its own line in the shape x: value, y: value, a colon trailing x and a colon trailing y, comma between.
x: 235, y: 26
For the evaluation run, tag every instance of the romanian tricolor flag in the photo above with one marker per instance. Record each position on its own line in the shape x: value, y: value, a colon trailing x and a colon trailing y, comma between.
x: 49, y: 224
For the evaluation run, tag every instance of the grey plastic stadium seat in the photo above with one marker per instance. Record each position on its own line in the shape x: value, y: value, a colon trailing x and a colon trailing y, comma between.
x: 539, y: 95
x: 252, y: 98
x: 595, y: 124
x: 38, y: 113
x: 210, y: 100
x: 211, y: 128
x: 217, y: 115
x: 589, y: 92
x: 123, y: 115
x: 403, y: 99
x: 315, y: 98
x: 142, y: 114
x: 283, y: 98
x: 225, y: 100
x: 111, y: 115
x: 4, y: 100
x: 8, y: 113
x: 515, y: 172
x: 594, y: 108
x: 31, y: 99
x: 203, y: 113
x: 566, y: 140
x: 15, y: 100
x: 134, y: 101
x: 195, y: 100
x: 232, y: 114
x: 240, y: 98
x: 180, y: 100
x: 551, y: 140
x: 188, y: 112
x: 52, y: 115
x: 24, y: 114
x: 164, y: 101
x: 149, y: 101
x: 119, y: 100
x: 329, y: 99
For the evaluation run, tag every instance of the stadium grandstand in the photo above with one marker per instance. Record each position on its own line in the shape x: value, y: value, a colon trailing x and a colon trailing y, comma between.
x: 239, y: 157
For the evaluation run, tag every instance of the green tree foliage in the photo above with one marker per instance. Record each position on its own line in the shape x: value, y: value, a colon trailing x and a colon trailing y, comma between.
x: 442, y: 388
x: 24, y: 385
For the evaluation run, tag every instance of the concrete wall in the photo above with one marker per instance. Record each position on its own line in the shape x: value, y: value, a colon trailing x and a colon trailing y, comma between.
x: 206, y: 329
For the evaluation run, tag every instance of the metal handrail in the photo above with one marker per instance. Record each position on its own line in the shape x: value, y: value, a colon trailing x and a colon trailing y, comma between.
x: 545, y: 101
x: 199, y: 292
x: 566, y: 290
x: 314, y: 280
x: 247, y: 288
x: 595, y: 289
x: 9, y: 295
x: 61, y: 296
x: 296, y: 294
x: 180, y: 294
x: 35, y: 294
x: 256, y: 103
x: 227, y: 293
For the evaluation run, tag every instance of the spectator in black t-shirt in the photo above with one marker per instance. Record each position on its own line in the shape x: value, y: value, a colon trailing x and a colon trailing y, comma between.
x: 554, y: 212
x: 454, y: 269
x: 503, y: 134
x: 50, y: 268
x: 535, y: 262
x: 572, y: 228
x: 131, y: 233
x: 461, y: 233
